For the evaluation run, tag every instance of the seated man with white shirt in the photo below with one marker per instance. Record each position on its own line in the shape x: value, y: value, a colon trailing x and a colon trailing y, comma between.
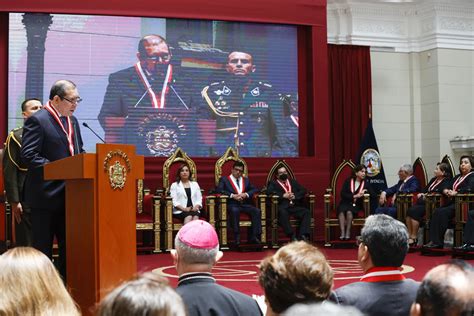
x: 240, y: 191
x: 186, y: 195
x: 407, y: 183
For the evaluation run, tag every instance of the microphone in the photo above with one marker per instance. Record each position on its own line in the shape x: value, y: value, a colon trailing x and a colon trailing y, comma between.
x: 87, y: 125
x: 76, y: 142
x: 176, y: 93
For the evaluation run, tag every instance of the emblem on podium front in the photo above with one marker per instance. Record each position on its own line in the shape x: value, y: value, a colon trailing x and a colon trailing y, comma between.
x: 117, y: 165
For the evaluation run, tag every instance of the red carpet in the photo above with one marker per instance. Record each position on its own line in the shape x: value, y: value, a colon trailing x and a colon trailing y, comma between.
x: 238, y: 270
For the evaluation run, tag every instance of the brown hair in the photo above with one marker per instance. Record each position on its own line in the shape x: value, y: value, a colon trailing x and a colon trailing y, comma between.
x: 181, y: 167
x: 296, y: 273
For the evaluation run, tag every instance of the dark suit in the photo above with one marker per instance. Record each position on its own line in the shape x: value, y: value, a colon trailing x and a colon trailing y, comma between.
x: 203, y: 296
x: 44, y: 141
x: 412, y: 185
x: 14, y: 174
x: 154, y: 131
x: 347, y: 198
x: 417, y: 211
x: 378, y: 298
x: 285, y: 209
x: 235, y: 207
x: 441, y: 217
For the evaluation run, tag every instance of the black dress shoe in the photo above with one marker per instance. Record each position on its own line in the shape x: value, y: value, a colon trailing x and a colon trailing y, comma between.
x: 432, y: 245
x: 465, y: 247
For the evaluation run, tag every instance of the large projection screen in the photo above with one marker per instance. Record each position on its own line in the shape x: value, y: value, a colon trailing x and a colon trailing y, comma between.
x: 226, y: 83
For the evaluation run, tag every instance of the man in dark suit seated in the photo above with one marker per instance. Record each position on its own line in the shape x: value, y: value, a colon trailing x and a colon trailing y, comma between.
x: 407, y: 183
x: 240, y: 192
x: 383, y: 289
x: 290, y: 199
x: 51, y: 134
x: 196, y: 253
x: 446, y: 290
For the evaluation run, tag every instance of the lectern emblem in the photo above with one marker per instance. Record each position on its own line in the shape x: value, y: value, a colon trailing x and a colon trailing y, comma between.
x: 118, y: 169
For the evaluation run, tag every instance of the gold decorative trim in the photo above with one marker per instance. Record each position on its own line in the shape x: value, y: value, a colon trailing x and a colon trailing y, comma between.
x: 230, y: 154
x: 178, y: 156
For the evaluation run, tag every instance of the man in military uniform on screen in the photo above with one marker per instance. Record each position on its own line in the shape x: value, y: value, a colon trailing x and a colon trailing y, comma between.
x: 14, y: 175
x: 244, y: 110
x: 143, y: 105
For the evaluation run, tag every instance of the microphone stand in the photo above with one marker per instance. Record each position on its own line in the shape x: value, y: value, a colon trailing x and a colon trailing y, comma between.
x: 87, y: 125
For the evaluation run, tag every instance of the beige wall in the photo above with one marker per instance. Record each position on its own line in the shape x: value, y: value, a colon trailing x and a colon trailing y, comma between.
x: 420, y: 102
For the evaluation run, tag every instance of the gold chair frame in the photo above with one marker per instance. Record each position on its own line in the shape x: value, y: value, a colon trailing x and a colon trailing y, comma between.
x: 156, y: 225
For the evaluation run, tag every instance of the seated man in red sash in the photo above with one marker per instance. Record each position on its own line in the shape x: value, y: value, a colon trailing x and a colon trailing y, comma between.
x: 383, y: 289
x: 241, y: 191
x: 290, y: 199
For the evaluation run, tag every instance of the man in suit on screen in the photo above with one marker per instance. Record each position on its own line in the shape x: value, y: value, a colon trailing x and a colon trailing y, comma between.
x: 51, y: 134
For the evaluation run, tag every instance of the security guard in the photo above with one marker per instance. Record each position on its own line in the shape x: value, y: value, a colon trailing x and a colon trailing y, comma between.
x: 14, y: 174
x: 244, y: 109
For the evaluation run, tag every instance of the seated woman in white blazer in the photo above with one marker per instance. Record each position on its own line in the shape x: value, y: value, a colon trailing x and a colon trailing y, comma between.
x: 186, y: 195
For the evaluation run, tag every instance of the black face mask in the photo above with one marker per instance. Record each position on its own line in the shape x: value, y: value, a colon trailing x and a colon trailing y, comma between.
x: 283, y: 177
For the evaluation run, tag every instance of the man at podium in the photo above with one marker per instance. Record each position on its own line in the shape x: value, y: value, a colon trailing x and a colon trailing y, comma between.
x: 51, y: 134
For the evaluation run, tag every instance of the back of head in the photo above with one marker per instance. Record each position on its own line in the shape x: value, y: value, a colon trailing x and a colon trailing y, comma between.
x: 297, y: 272
x: 197, y: 243
x: 447, y: 290
x: 147, y: 294
x: 387, y: 240
x: 30, y: 285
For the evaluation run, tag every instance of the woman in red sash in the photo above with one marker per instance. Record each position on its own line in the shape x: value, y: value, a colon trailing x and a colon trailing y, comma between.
x: 416, y: 213
x: 352, y: 197
x: 441, y: 217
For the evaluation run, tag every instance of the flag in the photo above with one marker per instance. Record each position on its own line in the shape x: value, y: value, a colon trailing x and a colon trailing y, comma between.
x: 370, y: 157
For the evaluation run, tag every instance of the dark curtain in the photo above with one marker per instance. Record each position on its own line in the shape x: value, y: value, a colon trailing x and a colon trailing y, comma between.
x: 350, y: 100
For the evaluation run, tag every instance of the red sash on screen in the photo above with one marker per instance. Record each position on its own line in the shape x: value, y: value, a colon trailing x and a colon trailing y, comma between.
x: 69, y: 133
x: 459, y: 180
x: 157, y: 103
x: 235, y: 185
x: 383, y: 274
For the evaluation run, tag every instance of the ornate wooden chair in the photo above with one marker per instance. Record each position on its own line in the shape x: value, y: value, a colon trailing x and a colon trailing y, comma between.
x: 223, y: 166
x: 148, y: 220
x: 332, y: 199
x: 406, y: 200
x: 276, y: 231
x: 171, y: 224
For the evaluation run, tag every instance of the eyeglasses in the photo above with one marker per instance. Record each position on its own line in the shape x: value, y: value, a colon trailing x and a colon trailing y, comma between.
x: 160, y: 59
x: 359, y: 240
x: 239, y: 170
x: 75, y: 101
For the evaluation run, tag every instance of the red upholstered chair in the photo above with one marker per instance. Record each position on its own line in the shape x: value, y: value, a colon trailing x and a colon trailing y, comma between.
x: 277, y: 234
x: 406, y: 200
x: 148, y: 220
x: 171, y: 224
x: 223, y: 166
x: 332, y: 199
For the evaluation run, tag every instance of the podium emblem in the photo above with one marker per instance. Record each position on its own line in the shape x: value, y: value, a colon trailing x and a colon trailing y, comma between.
x: 117, y: 169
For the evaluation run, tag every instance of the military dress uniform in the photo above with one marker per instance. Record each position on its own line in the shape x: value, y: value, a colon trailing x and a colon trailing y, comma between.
x: 14, y: 175
x: 245, y: 116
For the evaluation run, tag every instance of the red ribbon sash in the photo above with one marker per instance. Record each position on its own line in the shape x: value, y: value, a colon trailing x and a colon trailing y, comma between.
x: 460, y: 180
x: 69, y: 133
x: 383, y: 274
x: 235, y: 185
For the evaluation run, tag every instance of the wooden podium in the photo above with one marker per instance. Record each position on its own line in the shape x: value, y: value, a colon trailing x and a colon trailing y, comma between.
x: 101, y: 204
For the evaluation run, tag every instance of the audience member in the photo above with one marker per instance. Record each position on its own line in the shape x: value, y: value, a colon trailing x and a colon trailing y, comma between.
x: 416, y: 213
x: 325, y: 308
x: 296, y: 273
x: 186, y: 195
x: 30, y: 285
x: 197, y: 251
x: 407, y: 183
x: 352, y: 199
x: 241, y: 191
x: 439, y: 221
x: 383, y: 290
x: 446, y: 290
x: 147, y: 294
x: 290, y: 202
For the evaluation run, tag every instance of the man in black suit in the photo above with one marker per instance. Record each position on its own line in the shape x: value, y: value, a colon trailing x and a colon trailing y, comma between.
x: 50, y: 134
x: 241, y: 191
x: 143, y: 105
x: 195, y: 254
x: 383, y: 289
x: 290, y: 199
